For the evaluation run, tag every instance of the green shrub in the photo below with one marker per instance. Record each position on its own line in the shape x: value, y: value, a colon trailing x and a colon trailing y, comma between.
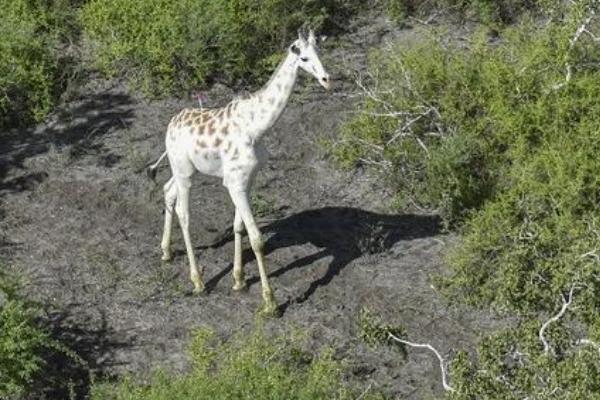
x: 32, y: 67
x: 511, y: 365
x: 497, y: 138
x: 250, y: 366
x: 446, y: 123
x: 21, y: 342
x: 426, y: 128
x: 166, y: 45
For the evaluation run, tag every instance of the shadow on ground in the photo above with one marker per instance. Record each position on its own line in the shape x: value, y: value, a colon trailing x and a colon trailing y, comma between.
x: 343, y: 233
x: 79, y: 127
x: 82, y: 354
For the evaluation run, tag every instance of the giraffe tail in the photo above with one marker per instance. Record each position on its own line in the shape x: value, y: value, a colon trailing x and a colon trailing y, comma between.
x: 151, y: 170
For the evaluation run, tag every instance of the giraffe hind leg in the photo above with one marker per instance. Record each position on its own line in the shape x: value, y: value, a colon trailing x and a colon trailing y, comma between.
x: 182, y: 210
x: 239, y: 282
x: 170, y: 190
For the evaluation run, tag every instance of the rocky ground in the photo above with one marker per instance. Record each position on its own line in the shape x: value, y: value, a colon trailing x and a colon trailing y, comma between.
x: 82, y: 223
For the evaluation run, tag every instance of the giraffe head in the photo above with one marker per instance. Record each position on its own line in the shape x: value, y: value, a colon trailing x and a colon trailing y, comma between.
x: 307, y: 54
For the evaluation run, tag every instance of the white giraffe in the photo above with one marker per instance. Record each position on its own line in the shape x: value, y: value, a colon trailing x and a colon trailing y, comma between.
x: 226, y: 142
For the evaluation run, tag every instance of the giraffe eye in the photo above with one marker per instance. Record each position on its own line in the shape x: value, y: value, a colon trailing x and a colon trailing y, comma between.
x: 304, y: 59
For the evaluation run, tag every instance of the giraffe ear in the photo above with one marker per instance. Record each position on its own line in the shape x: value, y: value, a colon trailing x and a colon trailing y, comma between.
x: 311, y: 38
x: 300, y: 37
x: 294, y: 49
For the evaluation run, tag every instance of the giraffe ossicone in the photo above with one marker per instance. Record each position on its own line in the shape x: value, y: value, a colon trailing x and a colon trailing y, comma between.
x: 225, y: 142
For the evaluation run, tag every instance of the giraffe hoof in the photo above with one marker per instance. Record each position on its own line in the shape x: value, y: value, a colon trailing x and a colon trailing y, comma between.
x: 270, y: 311
x: 240, y: 287
x: 199, y: 291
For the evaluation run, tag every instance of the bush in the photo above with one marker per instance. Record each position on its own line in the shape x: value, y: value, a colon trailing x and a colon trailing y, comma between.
x: 446, y: 124
x: 170, y: 45
x: 32, y: 68
x: 21, y: 342
x: 246, y: 367
x: 511, y: 365
x: 496, y: 137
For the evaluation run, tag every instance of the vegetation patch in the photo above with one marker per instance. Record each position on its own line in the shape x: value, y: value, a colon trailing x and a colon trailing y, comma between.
x: 501, y: 136
x: 165, y: 46
x: 248, y: 366
x: 21, y: 342
x: 33, y: 64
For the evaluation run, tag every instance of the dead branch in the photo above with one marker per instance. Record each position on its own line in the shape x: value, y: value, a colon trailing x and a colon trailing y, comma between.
x: 563, y: 309
x: 437, y: 354
x: 588, y: 342
x: 583, y: 28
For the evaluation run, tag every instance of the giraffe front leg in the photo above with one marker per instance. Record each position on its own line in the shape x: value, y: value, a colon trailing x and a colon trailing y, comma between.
x: 242, y: 206
x: 239, y: 282
x: 182, y: 208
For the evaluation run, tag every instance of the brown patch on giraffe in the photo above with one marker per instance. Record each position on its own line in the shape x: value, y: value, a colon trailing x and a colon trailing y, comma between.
x: 225, y: 130
x: 183, y: 114
x: 209, y: 129
x: 201, y: 144
x: 217, y: 142
x: 228, y: 147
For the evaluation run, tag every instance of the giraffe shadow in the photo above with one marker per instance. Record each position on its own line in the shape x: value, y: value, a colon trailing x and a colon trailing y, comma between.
x: 341, y: 233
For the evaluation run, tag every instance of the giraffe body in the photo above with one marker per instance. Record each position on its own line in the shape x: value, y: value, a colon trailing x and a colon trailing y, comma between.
x: 226, y: 143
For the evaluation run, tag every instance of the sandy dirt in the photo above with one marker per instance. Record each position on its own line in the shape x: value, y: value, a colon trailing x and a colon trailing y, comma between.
x: 81, y: 221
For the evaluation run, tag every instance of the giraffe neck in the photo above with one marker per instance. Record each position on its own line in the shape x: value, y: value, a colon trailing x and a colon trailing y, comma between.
x: 266, y: 105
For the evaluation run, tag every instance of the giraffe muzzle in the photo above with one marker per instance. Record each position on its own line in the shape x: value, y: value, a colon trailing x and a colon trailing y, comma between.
x: 325, y: 81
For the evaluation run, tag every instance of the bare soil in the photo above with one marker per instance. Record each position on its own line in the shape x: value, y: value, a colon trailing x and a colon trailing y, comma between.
x: 80, y: 220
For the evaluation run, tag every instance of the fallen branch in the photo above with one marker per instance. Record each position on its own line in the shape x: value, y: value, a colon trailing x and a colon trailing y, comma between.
x: 438, y: 355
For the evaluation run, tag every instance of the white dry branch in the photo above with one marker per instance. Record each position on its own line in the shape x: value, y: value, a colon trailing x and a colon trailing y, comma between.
x: 363, y: 394
x: 371, y: 94
x: 565, y: 306
x: 406, y: 119
x: 583, y: 28
x: 445, y: 384
x: 588, y: 342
